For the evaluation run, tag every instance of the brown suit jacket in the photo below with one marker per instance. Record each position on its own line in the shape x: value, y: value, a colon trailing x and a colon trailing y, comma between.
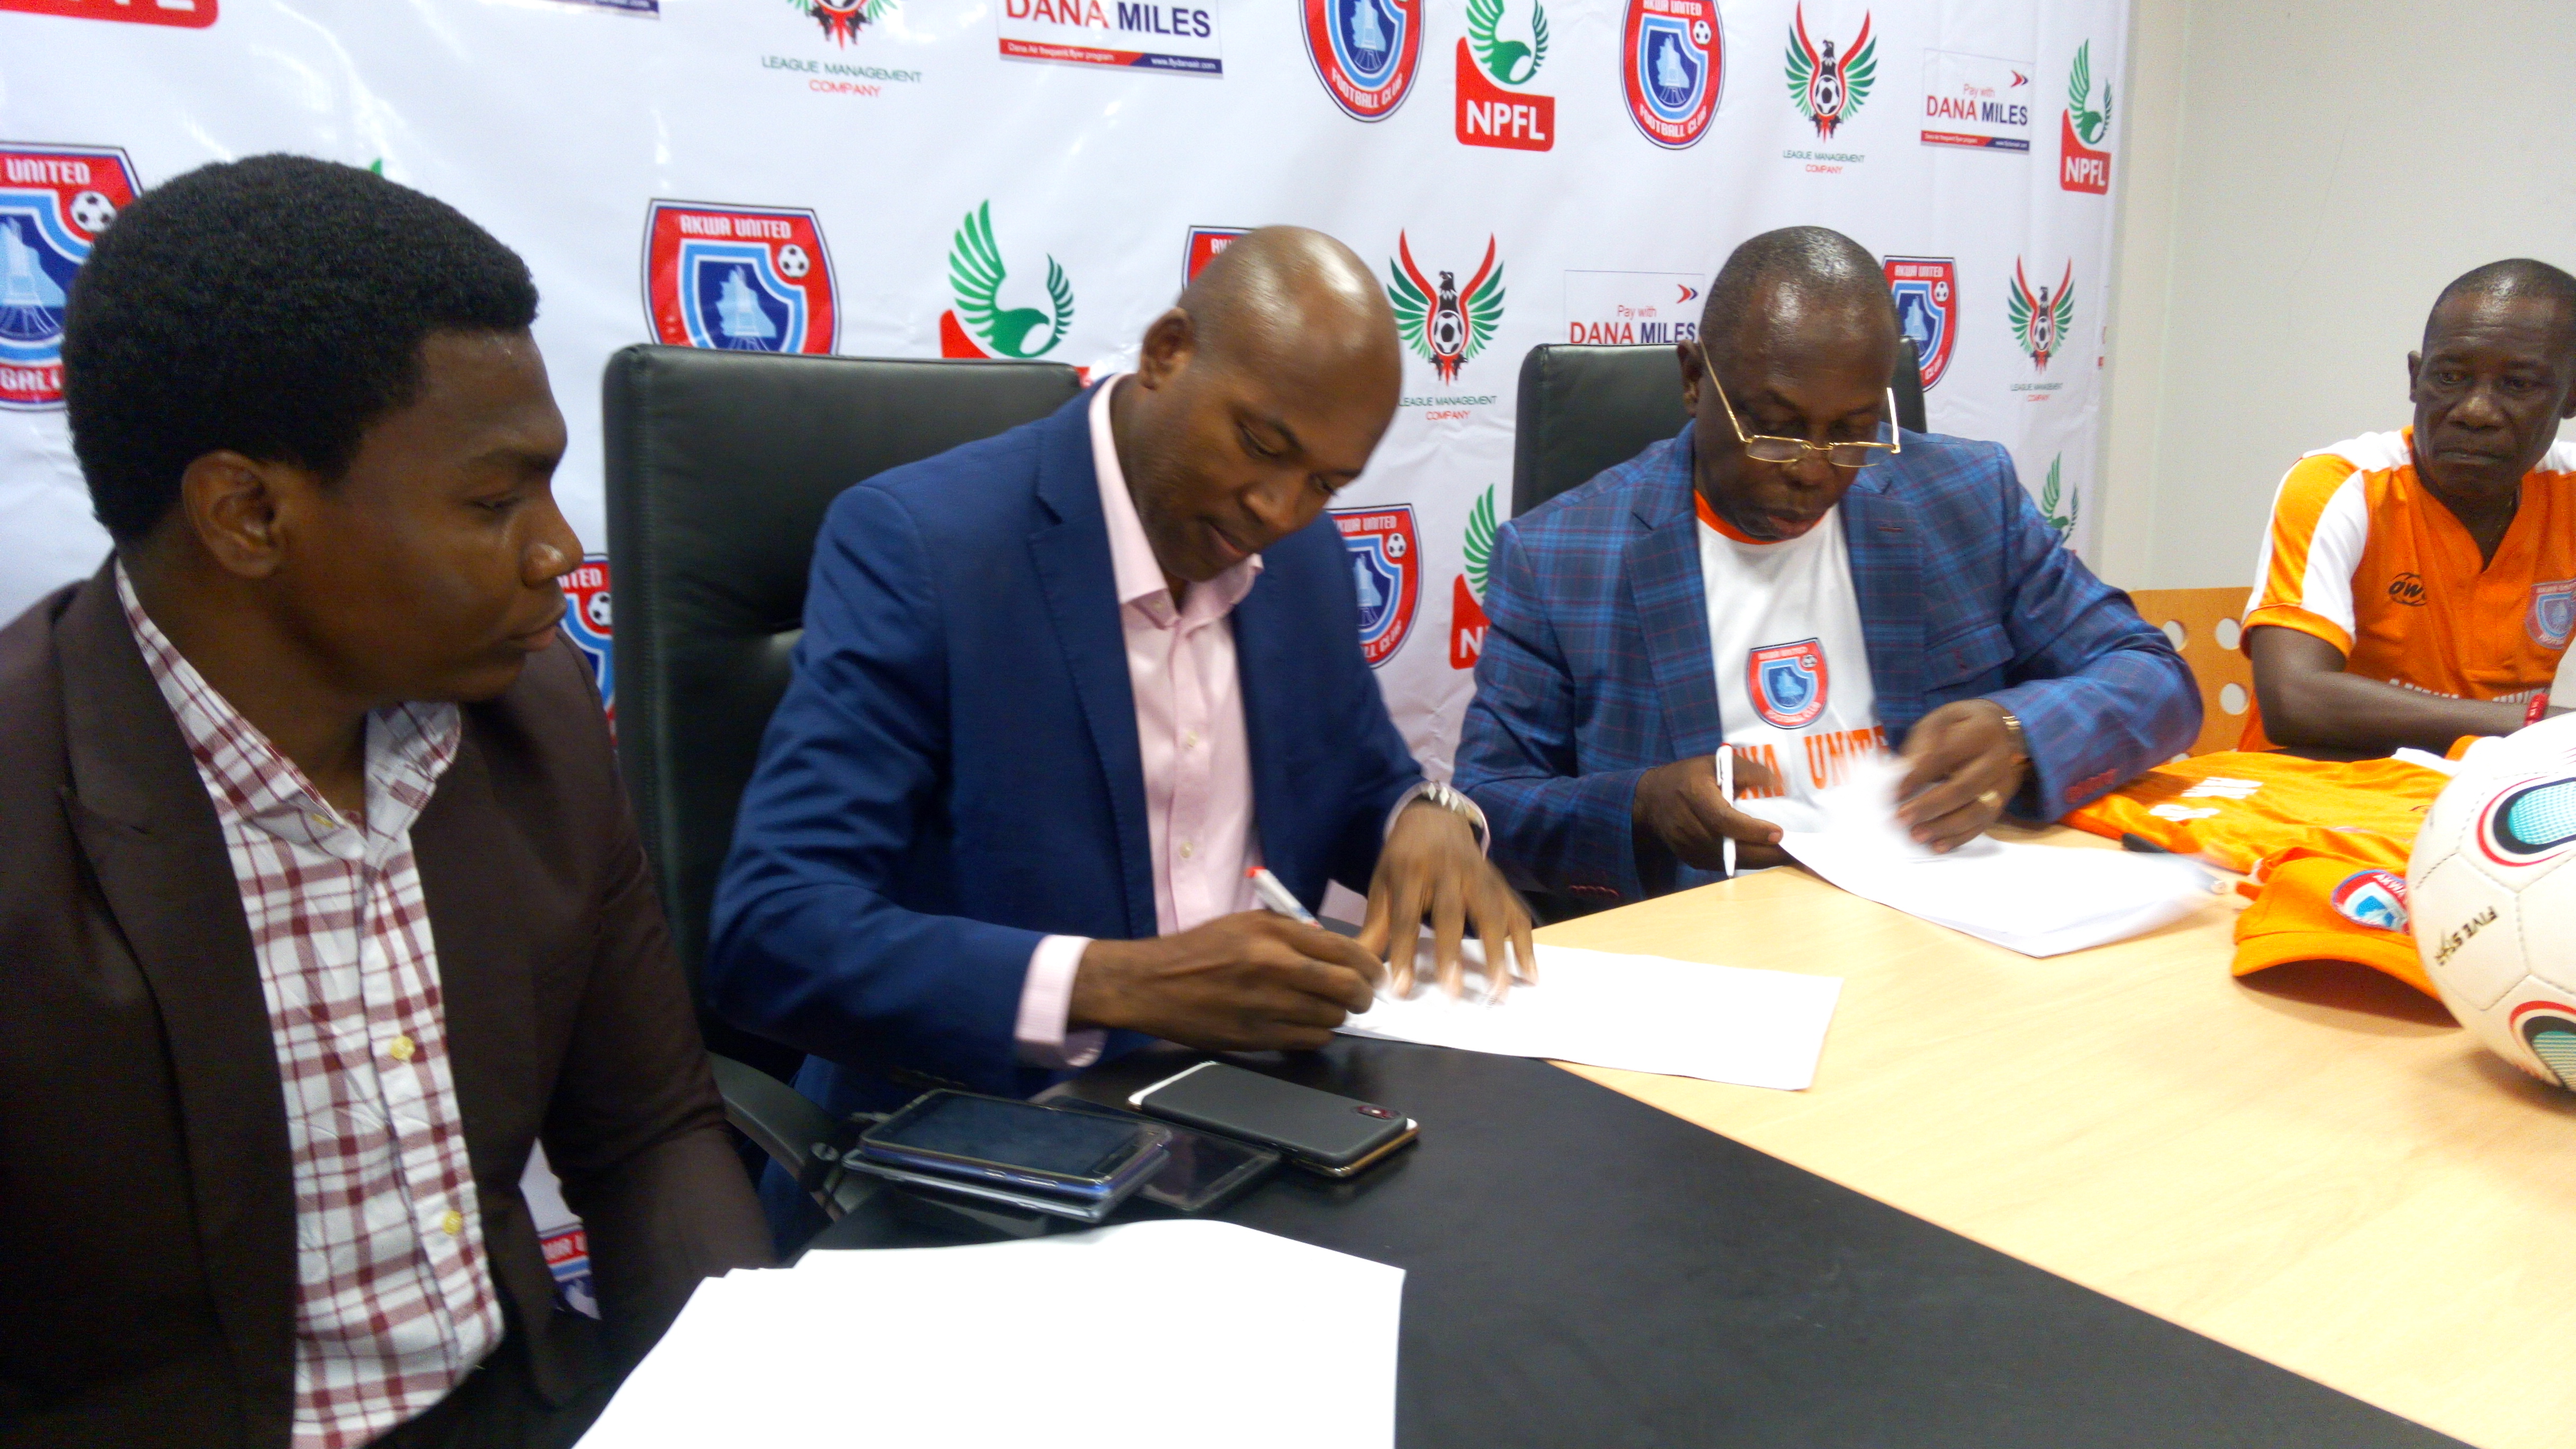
x: 147, y: 1221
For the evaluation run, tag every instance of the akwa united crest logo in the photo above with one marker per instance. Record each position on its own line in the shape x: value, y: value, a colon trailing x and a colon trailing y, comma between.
x: 2373, y: 898
x: 54, y: 202
x: 1829, y: 88
x: 1786, y: 683
x: 2553, y: 614
x: 742, y: 278
x: 1490, y: 60
x: 2040, y: 319
x: 1927, y: 310
x: 1203, y: 244
x: 1445, y: 324
x: 1672, y: 56
x: 981, y: 326
x: 1365, y: 52
x: 1467, y: 622
x: 842, y: 20
x: 587, y: 622
x: 1386, y: 573
x: 2081, y: 127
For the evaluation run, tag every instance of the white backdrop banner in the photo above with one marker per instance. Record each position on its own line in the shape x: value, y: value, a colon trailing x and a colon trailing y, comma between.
x: 1036, y: 178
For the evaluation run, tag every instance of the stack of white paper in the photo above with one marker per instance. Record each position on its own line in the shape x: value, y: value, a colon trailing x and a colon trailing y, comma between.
x: 2040, y: 900
x: 1181, y: 1333
x: 1637, y: 1013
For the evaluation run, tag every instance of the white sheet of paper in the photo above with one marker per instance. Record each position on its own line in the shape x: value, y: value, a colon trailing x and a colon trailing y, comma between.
x: 2040, y: 900
x: 1181, y: 1333
x: 1637, y: 1013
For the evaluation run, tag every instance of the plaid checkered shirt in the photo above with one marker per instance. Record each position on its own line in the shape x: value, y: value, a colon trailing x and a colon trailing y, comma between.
x: 395, y: 1300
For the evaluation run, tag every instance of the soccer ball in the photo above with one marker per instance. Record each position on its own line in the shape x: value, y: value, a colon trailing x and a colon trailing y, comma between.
x: 2492, y: 889
x: 92, y: 211
x: 793, y: 261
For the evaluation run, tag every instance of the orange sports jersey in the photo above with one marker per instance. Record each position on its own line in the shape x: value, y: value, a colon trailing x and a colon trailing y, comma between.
x: 2363, y: 556
x: 2235, y: 808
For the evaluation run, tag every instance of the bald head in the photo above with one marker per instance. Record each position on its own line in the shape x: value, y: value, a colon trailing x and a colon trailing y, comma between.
x: 1800, y: 282
x: 2515, y: 282
x: 1286, y: 297
x: 1255, y: 399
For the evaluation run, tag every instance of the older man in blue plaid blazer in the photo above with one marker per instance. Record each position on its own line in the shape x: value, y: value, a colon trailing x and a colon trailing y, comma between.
x: 1597, y: 668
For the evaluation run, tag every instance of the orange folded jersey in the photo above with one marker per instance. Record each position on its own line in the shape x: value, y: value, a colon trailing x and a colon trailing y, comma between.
x: 2312, y: 907
x: 2362, y: 555
x: 2235, y: 807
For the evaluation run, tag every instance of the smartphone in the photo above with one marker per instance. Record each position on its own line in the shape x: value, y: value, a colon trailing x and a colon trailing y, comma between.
x: 1318, y: 1131
x: 1019, y: 1147
x: 1200, y: 1170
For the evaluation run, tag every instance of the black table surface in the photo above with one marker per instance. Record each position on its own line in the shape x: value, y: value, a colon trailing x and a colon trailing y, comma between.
x: 1582, y: 1269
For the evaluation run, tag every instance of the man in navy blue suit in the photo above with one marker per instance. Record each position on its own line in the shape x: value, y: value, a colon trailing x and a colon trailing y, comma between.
x: 1060, y: 692
x: 1795, y: 581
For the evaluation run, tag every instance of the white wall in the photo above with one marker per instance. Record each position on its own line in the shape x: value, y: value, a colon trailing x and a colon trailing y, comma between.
x: 2302, y: 178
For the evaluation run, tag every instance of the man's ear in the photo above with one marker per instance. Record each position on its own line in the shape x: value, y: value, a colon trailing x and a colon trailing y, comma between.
x: 1169, y: 344
x: 233, y: 504
x: 2414, y: 365
x: 1690, y: 376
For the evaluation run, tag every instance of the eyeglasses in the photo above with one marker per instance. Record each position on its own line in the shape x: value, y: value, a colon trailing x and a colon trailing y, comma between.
x: 1767, y: 449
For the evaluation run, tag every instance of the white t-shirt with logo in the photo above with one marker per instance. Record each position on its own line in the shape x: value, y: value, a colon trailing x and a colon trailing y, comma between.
x: 1793, y: 684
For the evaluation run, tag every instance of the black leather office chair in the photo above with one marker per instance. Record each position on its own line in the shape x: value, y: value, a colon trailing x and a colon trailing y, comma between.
x: 720, y: 466
x: 1584, y: 409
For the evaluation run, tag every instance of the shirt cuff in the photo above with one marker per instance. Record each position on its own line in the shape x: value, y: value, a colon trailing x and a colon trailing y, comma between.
x: 1046, y: 1002
x: 2291, y: 616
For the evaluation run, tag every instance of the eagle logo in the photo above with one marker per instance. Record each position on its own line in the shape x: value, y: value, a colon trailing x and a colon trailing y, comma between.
x: 1830, y: 88
x: 842, y: 20
x: 1507, y: 61
x: 975, y: 276
x: 1444, y: 324
x: 2039, y: 320
x: 2089, y: 124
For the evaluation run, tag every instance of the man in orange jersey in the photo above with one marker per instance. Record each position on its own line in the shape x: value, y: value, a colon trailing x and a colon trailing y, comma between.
x: 2420, y: 585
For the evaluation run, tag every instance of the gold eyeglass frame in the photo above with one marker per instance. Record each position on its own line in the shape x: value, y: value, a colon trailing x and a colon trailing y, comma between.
x: 1803, y: 447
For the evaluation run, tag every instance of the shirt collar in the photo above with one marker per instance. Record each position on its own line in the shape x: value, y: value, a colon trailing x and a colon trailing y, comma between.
x: 1131, y: 558
x: 408, y: 747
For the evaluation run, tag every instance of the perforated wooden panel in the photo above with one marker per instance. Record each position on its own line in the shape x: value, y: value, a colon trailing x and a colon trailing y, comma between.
x: 2204, y: 625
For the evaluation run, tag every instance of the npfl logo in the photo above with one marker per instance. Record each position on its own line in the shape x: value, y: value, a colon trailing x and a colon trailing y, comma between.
x: 1386, y: 573
x: 743, y: 278
x: 975, y: 278
x: 54, y: 201
x: 1673, y: 60
x: 1488, y: 61
x: 2079, y: 166
x: 1365, y: 52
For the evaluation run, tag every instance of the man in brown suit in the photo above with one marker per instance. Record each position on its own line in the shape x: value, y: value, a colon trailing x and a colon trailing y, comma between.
x: 322, y: 902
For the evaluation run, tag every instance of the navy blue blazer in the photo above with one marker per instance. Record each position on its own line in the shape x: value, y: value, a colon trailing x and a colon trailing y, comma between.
x: 954, y: 772
x: 1596, y: 664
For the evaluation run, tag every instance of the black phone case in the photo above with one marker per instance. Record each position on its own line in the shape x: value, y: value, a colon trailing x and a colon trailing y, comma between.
x: 1317, y: 1129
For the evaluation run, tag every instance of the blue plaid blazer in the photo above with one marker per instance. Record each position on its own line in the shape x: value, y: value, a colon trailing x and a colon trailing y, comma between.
x: 1596, y: 666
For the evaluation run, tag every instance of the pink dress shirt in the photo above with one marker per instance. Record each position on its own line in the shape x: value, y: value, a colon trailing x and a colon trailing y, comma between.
x: 1197, y: 756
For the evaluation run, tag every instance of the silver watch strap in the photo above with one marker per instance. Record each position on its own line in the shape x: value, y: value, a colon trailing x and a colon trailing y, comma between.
x: 1449, y: 798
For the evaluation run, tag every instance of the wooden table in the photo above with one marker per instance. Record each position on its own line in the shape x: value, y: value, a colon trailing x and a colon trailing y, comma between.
x: 2315, y: 1165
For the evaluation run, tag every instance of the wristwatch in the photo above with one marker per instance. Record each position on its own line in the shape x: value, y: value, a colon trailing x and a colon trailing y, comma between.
x: 1448, y: 798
